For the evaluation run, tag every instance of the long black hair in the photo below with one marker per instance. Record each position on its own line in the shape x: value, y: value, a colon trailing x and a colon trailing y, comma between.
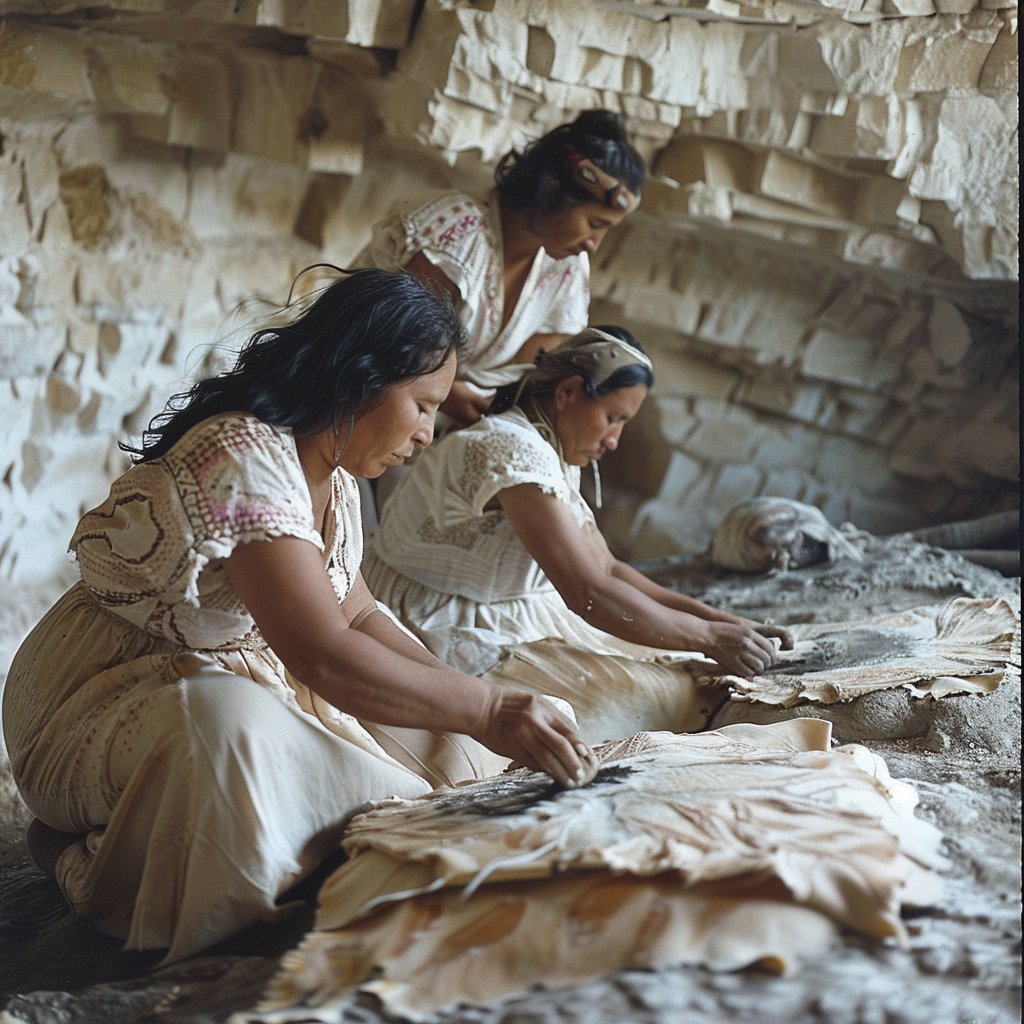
x: 337, y: 357
x: 523, y: 179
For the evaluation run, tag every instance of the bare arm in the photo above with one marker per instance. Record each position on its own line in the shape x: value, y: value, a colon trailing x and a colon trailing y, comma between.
x: 434, y: 278
x: 589, y: 579
x: 537, y: 342
x: 361, y: 611
x: 370, y: 669
x: 683, y: 603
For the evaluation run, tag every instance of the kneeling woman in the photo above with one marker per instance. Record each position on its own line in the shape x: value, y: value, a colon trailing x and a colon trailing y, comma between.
x: 194, y: 722
x: 489, y: 553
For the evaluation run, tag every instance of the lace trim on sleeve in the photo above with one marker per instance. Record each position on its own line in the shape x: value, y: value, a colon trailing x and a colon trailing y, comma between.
x: 503, y: 452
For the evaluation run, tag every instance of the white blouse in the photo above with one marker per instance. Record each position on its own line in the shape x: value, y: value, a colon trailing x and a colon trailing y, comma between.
x: 461, y: 236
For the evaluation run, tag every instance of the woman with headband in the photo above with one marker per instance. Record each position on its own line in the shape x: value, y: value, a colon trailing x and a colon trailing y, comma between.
x: 488, y: 552
x: 515, y: 262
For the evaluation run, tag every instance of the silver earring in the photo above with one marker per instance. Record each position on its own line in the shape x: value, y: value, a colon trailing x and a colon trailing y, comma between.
x: 339, y: 455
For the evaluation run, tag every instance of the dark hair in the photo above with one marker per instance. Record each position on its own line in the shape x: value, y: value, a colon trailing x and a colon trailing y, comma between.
x: 336, y: 358
x: 626, y: 377
x: 599, y: 135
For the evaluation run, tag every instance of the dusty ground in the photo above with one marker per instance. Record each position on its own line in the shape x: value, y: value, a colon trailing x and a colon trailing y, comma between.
x: 963, y: 965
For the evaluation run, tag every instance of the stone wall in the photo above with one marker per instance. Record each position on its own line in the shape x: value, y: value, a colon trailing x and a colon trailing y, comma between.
x: 824, y: 265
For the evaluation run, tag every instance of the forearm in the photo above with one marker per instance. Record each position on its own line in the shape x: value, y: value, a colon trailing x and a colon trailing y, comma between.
x: 383, y: 628
x: 396, y: 683
x: 382, y: 685
x: 535, y: 343
x: 363, y: 664
x: 615, y: 606
x: 670, y: 598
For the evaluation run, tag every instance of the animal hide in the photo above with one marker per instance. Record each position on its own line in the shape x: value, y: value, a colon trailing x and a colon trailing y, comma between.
x: 966, y: 645
x: 749, y: 844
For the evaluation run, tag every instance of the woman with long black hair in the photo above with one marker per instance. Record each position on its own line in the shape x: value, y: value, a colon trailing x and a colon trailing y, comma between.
x: 193, y: 723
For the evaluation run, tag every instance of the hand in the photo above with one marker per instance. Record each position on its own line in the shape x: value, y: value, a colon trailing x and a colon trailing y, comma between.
x: 466, y: 402
x: 739, y: 648
x: 532, y: 731
x: 770, y: 630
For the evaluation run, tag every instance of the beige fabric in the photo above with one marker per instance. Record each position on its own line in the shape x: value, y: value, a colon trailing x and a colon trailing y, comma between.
x: 442, y: 528
x: 461, y: 235
x: 750, y: 844
x: 596, y: 354
x: 964, y: 645
x: 767, y: 533
x: 146, y: 713
x: 448, y: 563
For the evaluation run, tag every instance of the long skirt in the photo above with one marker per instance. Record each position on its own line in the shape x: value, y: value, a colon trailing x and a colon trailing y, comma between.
x: 201, y: 785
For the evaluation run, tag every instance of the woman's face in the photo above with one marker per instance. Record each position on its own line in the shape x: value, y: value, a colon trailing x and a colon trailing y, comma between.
x: 589, y: 427
x: 389, y: 433
x: 576, y: 229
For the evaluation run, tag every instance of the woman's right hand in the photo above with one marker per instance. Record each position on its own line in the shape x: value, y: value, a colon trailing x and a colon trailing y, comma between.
x: 532, y: 731
x: 737, y: 647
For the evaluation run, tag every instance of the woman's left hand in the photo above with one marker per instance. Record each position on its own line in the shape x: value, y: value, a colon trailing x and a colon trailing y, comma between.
x: 773, y: 632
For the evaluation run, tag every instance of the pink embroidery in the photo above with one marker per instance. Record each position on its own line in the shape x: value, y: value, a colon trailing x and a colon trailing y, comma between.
x: 460, y: 227
x: 557, y: 277
x: 239, y: 515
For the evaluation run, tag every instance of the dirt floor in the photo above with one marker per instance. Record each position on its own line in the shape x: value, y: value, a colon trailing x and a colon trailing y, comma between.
x: 963, y: 963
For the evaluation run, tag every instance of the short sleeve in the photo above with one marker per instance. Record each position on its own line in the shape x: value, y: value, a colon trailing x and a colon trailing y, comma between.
x: 229, y: 480
x: 451, y: 229
x: 240, y: 480
x: 505, y: 451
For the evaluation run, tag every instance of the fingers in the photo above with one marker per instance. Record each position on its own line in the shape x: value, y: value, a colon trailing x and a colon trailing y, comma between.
x: 780, y: 633
x: 532, y: 730
x: 745, y: 652
x: 589, y: 762
x: 763, y: 644
x: 574, y: 763
x: 574, y: 756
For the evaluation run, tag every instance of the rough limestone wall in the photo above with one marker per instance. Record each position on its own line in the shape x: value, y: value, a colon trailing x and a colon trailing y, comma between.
x: 884, y: 405
x: 824, y: 262
x: 823, y: 266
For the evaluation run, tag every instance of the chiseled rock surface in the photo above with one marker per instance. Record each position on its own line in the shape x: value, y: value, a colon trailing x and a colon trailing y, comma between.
x: 823, y: 266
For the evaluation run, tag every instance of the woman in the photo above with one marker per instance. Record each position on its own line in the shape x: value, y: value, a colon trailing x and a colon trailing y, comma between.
x: 487, y: 550
x: 193, y: 722
x: 516, y: 262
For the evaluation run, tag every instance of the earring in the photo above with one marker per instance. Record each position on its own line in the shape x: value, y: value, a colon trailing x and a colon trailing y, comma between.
x: 337, y: 433
x: 339, y: 455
